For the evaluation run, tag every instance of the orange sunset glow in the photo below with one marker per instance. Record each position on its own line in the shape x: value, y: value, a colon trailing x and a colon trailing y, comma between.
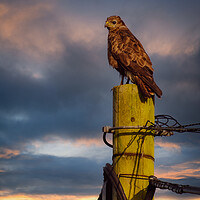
x: 49, y: 197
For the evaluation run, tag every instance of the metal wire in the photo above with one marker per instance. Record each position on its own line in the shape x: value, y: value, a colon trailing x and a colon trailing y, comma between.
x: 166, y: 121
x: 154, y: 182
x: 164, y: 125
x: 173, y: 187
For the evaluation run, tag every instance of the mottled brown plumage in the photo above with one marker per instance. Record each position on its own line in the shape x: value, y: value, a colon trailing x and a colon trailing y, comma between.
x: 127, y: 55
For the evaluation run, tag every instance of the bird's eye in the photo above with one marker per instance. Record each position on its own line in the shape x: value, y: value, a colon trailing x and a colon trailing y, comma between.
x: 114, y: 22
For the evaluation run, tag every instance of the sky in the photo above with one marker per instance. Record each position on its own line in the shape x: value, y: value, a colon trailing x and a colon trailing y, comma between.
x: 55, y: 89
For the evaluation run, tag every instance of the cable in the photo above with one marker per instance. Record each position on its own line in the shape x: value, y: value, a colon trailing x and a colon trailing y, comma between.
x: 105, y: 141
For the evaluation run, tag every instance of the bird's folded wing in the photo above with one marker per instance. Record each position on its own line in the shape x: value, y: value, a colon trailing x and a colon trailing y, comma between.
x: 132, y: 50
x: 134, y: 59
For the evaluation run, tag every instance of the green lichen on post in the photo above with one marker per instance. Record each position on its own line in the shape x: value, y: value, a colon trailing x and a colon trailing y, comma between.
x: 133, y: 150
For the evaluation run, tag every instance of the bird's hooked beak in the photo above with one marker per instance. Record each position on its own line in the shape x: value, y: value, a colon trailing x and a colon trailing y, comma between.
x: 106, y: 24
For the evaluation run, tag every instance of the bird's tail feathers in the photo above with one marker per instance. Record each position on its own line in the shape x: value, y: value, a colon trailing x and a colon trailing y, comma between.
x: 144, y: 79
x: 152, y: 85
x: 146, y: 85
x: 142, y: 87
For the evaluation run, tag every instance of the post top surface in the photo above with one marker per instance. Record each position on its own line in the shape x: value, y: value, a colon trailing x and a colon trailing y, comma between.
x: 125, y: 86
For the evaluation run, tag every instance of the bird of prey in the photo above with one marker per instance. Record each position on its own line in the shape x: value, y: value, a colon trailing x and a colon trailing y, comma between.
x: 127, y: 55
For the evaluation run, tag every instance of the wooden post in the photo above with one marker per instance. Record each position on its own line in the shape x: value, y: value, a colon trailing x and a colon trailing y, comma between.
x: 133, y: 150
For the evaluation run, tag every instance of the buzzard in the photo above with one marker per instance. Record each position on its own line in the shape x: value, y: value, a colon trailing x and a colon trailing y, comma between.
x: 127, y: 55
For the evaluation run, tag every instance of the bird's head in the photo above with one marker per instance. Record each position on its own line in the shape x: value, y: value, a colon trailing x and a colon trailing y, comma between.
x: 114, y: 22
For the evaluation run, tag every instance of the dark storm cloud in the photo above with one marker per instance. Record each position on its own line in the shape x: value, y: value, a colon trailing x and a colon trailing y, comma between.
x: 180, y: 80
x: 71, y: 102
x: 75, y: 97
x: 50, y: 175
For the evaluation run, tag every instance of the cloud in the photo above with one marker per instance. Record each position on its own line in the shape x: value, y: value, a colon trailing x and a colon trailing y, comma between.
x: 28, y: 174
x: 38, y: 31
x: 76, y: 74
x: 49, y: 73
x: 179, y: 81
x: 169, y: 40
x: 179, y: 171
x: 169, y: 196
x: 168, y: 145
x: 163, y: 30
x: 92, y: 148
x: 8, y: 153
x: 89, y: 141
x: 22, y: 30
x: 50, y: 197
